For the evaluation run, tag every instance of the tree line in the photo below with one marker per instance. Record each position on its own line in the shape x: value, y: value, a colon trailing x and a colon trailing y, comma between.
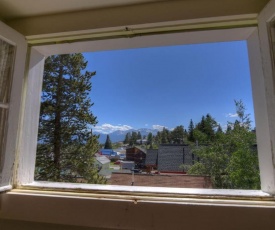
x: 204, y: 132
x: 228, y: 156
x: 231, y: 157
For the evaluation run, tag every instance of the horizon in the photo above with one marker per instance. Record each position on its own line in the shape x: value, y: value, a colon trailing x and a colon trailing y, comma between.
x: 168, y: 86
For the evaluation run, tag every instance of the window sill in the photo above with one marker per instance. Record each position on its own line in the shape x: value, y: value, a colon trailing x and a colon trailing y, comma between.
x: 5, y: 188
x: 135, y: 194
x: 123, y: 207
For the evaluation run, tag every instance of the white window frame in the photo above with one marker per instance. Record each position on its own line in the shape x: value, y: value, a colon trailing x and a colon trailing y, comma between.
x: 261, y: 75
x: 32, y: 106
x: 12, y: 137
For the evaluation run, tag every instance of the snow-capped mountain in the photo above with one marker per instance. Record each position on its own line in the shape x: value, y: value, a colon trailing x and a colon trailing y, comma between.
x: 119, y: 135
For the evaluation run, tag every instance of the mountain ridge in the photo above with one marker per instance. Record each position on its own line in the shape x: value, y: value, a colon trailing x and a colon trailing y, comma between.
x: 119, y: 135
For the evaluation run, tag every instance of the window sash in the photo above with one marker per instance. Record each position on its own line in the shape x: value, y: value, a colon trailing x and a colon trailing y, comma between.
x: 13, y: 50
x: 7, y: 52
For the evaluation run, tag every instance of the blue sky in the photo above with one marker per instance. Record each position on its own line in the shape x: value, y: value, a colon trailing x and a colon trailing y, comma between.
x: 167, y: 86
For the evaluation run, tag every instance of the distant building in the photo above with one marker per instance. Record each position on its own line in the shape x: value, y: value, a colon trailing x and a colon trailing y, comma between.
x: 121, y: 153
x: 102, y: 163
x: 136, y: 154
x: 151, y: 160
x: 107, y: 152
x: 122, y: 156
x: 141, y: 141
x: 127, y: 165
x: 169, y: 158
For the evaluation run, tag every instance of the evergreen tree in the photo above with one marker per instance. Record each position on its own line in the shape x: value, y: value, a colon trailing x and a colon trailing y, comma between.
x: 209, y: 127
x: 108, y: 143
x: 164, y: 138
x: 134, y: 138
x: 219, y: 129
x: 139, y: 135
x: 191, y: 131
x: 231, y: 160
x: 205, y: 129
x: 66, y: 145
x: 228, y: 129
x: 158, y: 138
x: 127, y: 138
x: 201, y: 125
x: 177, y: 135
x: 150, y: 140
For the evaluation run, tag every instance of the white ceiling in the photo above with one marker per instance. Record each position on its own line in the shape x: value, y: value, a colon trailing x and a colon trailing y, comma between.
x: 10, y: 9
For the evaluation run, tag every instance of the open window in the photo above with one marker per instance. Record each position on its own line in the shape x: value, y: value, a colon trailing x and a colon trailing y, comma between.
x: 38, y: 53
x: 263, y: 98
x: 13, y: 50
x: 155, y: 208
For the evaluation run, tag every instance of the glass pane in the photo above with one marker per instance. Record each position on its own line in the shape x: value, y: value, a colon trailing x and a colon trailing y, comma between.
x: 3, y: 129
x: 7, y: 52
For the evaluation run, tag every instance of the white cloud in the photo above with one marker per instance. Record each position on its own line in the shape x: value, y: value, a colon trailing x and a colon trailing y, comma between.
x: 108, y: 128
x: 232, y: 115
x: 158, y: 127
x: 146, y: 125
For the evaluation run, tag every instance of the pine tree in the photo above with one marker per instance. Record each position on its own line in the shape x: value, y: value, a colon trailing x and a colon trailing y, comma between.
x: 66, y: 144
x: 201, y: 125
x: 229, y: 128
x: 219, y: 129
x: 191, y: 131
x: 206, y: 128
x: 164, y: 136
x: 108, y: 143
x: 134, y: 138
x: 127, y: 138
x: 158, y: 138
x: 209, y: 127
x: 231, y: 160
x: 177, y: 135
x: 150, y: 140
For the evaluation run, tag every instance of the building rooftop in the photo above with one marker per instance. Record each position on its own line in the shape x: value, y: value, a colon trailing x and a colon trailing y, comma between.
x: 156, y: 180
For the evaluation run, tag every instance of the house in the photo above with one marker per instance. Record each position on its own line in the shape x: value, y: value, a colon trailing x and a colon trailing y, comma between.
x: 108, y: 152
x: 121, y: 153
x: 141, y: 141
x: 127, y: 165
x: 136, y: 154
x: 102, y: 162
x: 38, y: 28
x: 151, y: 160
x: 170, y: 157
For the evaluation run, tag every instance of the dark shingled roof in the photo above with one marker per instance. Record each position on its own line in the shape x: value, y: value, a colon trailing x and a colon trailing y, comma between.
x: 171, y: 157
x: 151, y: 157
